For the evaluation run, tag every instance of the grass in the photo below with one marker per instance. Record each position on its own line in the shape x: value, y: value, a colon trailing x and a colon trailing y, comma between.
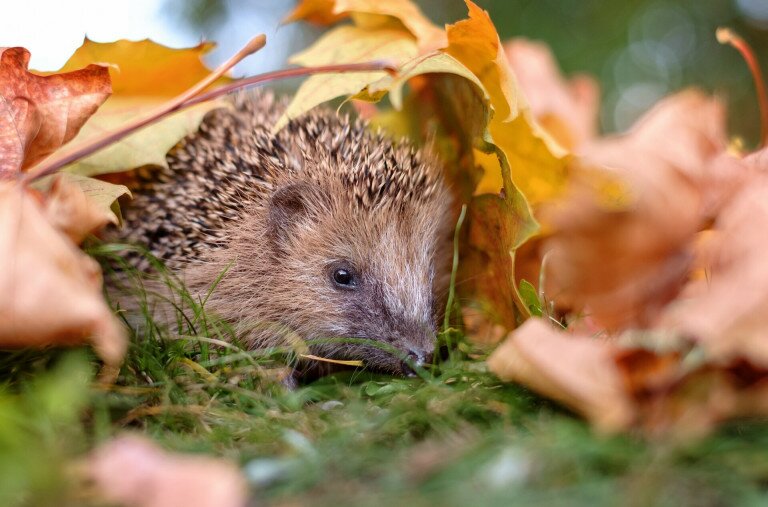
x: 458, y: 436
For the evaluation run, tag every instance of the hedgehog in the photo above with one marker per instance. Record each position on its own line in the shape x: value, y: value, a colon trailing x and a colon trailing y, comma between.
x: 326, y: 230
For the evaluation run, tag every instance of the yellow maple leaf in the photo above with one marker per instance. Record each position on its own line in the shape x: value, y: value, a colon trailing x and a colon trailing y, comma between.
x: 369, y: 13
x: 538, y: 164
x: 346, y: 44
x: 144, y: 74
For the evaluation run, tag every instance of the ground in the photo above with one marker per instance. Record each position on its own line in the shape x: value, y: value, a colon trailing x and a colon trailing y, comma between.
x: 455, y: 436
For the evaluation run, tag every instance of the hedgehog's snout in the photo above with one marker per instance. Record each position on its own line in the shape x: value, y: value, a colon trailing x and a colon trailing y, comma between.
x: 413, y: 360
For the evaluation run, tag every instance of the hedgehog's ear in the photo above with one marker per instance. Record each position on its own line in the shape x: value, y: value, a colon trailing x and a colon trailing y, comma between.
x: 291, y: 205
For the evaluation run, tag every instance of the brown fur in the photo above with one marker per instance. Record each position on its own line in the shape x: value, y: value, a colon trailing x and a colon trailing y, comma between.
x: 280, y: 213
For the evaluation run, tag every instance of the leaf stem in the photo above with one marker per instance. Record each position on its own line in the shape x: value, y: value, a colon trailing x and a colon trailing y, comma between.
x: 728, y: 36
x: 289, y: 73
x: 454, y: 269
x: 253, y: 46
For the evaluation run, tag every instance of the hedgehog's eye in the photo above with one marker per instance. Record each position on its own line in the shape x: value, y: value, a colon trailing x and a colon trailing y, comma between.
x: 343, y: 276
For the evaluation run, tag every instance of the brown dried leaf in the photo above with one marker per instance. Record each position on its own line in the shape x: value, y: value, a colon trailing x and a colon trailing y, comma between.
x: 38, y: 114
x: 567, y: 109
x: 622, y: 261
x: 50, y: 292
x: 78, y: 206
x: 494, y: 227
x: 578, y: 371
x: 675, y: 393
x: 727, y: 310
x: 134, y: 472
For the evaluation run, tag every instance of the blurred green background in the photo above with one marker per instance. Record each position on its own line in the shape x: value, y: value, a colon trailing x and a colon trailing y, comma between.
x: 639, y: 50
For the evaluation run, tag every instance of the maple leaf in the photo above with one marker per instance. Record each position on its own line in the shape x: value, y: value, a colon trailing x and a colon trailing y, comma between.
x: 372, y: 14
x: 566, y: 109
x: 538, y: 163
x: 38, y: 114
x: 346, y: 44
x: 579, y: 371
x: 622, y: 260
x: 144, y: 75
x: 50, y: 292
x: 78, y: 206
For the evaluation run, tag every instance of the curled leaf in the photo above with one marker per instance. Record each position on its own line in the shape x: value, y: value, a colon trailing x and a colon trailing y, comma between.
x: 50, y: 292
x: 38, y: 114
x: 78, y: 206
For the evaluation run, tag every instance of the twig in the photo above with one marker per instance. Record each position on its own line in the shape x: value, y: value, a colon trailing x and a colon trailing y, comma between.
x: 289, y: 73
x: 728, y: 36
x: 49, y: 167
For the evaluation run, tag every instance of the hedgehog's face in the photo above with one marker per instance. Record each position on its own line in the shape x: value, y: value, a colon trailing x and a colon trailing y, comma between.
x: 365, y: 277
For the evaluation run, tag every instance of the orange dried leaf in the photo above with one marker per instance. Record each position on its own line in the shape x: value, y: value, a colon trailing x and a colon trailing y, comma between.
x: 78, y: 206
x: 576, y: 370
x: 622, y: 260
x: 320, y: 12
x: 38, y: 114
x: 538, y: 163
x: 567, y: 109
x: 50, y: 292
x: 145, y: 68
x: 134, y: 472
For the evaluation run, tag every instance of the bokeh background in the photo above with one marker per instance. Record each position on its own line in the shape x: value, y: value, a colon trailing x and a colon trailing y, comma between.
x: 640, y: 50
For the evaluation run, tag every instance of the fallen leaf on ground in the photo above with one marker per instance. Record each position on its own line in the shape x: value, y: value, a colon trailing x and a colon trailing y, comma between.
x: 50, y: 292
x: 726, y: 310
x: 133, y: 472
x: 38, y: 114
x: 578, y: 371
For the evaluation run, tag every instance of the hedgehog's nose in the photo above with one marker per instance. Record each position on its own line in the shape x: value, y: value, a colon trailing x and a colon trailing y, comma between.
x: 415, y: 359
